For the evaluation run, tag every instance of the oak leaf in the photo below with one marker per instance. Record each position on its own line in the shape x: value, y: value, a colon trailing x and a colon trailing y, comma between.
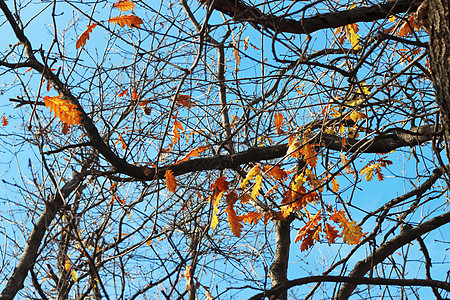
x: 171, y: 182
x: 184, y: 100
x: 4, y: 121
x: 85, y: 36
x: 351, y: 233
x: 331, y: 233
x: 124, y: 5
x: 64, y: 109
x: 251, y: 217
x: 309, y: 154
x: 278, y: 123
x: 130, y: 20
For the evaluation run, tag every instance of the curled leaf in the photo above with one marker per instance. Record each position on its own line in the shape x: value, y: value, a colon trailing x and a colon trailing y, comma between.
x: 171, y: 182
x: 85, y: 36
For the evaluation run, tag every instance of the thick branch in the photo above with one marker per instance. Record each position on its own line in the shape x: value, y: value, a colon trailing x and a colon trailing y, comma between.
x: 30, y: 253
x: 352, y: 280
x: 241, y: 11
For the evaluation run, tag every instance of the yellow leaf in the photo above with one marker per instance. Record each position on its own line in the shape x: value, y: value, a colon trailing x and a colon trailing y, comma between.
x: 357, y: 115
x: 130, y: 20
x: 352, y: 36
x: 74, y: 275
x: 256, y: 170
x: 257, y: 186
x: 171, y: 182
x: 124, y: 5
x: 85, y: 36
x: 64, y: 109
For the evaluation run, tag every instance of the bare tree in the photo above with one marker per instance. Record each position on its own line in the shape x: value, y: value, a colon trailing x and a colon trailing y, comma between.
x: 211, y: 149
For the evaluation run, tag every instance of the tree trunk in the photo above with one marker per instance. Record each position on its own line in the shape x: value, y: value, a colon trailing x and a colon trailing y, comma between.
x: 278, y: 269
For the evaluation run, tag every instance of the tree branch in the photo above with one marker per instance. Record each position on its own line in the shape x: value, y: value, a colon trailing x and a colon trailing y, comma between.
x: 388, y: 248
x: 351, y: 280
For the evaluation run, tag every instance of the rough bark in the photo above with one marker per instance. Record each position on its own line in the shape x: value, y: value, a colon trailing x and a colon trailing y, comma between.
x: 439, y: 22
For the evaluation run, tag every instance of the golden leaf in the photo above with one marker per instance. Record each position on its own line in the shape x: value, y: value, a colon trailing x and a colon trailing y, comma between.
x: 236, y: 52
x: 67, y: 265
x: 334, y: 185
x: 257, y: 186
x: 124, y: 5
x: 352, y: 234
x: 171, y: 182
x: 176, y: 125
x: 74, y: 275
x: 256, y: 170
x: 233, y: 219
x: 85, y: 36
x: 64, y: 109
x: 130, y: 20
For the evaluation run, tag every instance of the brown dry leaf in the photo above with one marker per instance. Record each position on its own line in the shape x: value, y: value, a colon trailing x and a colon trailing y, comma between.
x: 64, y: 109
x: 184, y: 100
x: 130, y: 20
x: 85, y: 36
x: 236, y: 52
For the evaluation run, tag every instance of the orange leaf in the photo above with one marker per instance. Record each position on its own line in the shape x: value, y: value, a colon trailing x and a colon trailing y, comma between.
x: 171, y: 182
x: 134, y: 95
x: 184, y: 100
x: 308, y: 226
x: 236, y: 52
x: 130, y: 20
x: 278, y: 122
x: 310, y: 156
x: 120, y: 139
x: 194, y: 152
x: 251, y: 217
x: 123, y: 93
x: 311, y: 236
x: 331, y: 233
x: 4, y: 121
x: 407, y: 27
x: 85, y: 36
x: 176, y: 125
x: 334, y: 185
x: 49, y: 87
x: 64, y: 109
x: 352, y: 234
x: 124, y: 5
x: 233, y: 219
x: 276, y: 172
